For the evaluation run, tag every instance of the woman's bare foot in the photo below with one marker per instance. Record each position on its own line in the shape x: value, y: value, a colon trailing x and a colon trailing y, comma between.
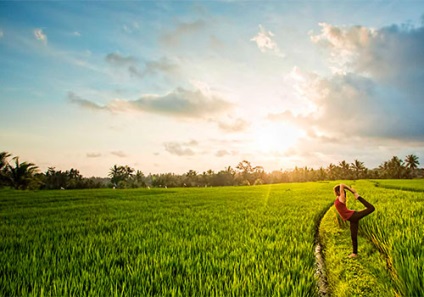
x: 353, y: 255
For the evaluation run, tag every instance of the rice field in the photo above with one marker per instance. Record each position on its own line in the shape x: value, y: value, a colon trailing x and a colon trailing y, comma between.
x: 230, y: 241
x: 244, y: 241
x: 415, y: 185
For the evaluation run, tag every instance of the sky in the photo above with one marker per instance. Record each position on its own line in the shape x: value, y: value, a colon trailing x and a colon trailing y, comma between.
x: 173, y: 86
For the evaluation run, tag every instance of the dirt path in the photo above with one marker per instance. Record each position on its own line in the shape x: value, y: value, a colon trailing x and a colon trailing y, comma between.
x: 320, y: 272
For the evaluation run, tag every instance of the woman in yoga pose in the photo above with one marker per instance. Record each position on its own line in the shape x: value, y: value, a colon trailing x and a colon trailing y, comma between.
x: 351, y: 215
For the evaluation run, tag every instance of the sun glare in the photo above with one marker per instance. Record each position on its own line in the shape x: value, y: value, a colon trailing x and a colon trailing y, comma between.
x: 275, y: 137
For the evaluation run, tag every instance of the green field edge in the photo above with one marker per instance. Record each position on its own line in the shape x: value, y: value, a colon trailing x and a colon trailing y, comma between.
x: 380, y: 184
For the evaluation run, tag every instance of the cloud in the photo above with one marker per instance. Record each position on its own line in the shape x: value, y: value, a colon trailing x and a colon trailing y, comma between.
x: 182, y: 103
x: 119, y: 154
x: 76, y: 33
x: 1, y: 33
x: 119, y: 60
x: 390, y: 54
x: 178, y: 103
x: 344, y: 43
x: 377, y: 92
x: 223, y: 153
x: 345, y: 105
x: 130, y: 63
x: 265, y: 42
x: 93, y: 155
x: 86, y: 104
x: 238, y: 125
x: 180, y: 149
x: 182, y: 30
x: 39, y: 35
x: 163, y: 65
x: 131, y: 28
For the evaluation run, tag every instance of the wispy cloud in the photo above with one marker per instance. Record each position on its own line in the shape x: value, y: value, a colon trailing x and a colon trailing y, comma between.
x: 164, y: 65
x: 223, y: 153
x: 1, y: 33
x: 39, y: 35
x: 131, y: 27
x: 119, y: 154
x: 238, y: 125
x: 120, y: 60
x: 93, y: 155
x: 84, y: 103
x: 266, y: 43
x: 135, y: 69
x: 181, y: 149
x: 181, y: 31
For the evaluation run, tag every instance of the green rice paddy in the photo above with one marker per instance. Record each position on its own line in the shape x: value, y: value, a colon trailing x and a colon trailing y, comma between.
x: 229, y: 241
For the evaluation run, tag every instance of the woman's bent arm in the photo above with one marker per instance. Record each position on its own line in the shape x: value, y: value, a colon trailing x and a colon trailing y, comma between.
x: 342, y: 196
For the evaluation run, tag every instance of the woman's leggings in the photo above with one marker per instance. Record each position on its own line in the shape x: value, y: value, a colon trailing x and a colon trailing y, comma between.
x: 354, y: 222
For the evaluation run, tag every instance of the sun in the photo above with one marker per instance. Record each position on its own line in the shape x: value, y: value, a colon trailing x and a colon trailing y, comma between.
x: 275, y: 137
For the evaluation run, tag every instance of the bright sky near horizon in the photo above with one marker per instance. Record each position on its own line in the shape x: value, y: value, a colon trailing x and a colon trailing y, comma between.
x: 169, y: 86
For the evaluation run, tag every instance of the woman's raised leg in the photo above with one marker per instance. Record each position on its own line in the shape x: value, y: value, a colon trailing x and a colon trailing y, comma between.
x: 362, y: 213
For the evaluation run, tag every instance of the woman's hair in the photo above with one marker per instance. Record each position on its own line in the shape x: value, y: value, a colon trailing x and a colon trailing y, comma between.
x: 337, y: 190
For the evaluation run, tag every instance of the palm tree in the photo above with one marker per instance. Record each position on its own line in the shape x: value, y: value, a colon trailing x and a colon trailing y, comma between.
x: 230, y: 171
x: 115, y: 174
x: 21, y: 175
x: 320, y: 174
x: 3, y: 159
x: 358, y: 169
x: 139, y: 179
x: 3, y: 166
x: 258, y: 175
x: 191, y: 178
x: 383, y: 170
x: 332, y: 171
x: 128, y: 171
x: 345, y: 169
x: 411, y: 162
x: 207, y: 177
x: 246, y: 170
x: 393, y: 168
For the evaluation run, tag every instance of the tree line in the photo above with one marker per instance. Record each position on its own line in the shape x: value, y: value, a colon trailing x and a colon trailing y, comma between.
x: 24, y: 175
